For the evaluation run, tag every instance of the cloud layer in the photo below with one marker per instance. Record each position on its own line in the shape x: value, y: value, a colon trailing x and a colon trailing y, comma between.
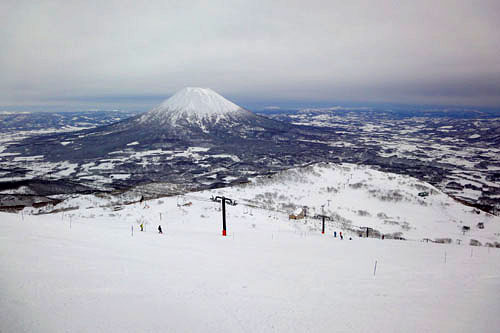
x: 79, y: 53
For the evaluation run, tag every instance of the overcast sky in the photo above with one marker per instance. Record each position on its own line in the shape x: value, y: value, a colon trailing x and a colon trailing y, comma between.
x: 131, y: 54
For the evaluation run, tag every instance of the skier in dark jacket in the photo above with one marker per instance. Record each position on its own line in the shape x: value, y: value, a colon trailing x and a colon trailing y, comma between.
x: 159, y: 229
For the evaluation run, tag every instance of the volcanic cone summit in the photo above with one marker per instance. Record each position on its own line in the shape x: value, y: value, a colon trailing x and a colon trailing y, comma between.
x: 192, y: 105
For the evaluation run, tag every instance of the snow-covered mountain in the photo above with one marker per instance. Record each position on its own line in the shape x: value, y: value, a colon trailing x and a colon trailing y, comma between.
x: 196, y: 138
x: 193, y: 115
x: 190, y: 105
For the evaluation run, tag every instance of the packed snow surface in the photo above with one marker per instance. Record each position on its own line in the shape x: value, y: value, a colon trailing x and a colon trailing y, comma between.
x: 266, y: 276
x: 90, y: 269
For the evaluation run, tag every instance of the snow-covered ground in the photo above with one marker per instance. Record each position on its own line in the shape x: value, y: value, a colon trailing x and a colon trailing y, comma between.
x: 91, y: 270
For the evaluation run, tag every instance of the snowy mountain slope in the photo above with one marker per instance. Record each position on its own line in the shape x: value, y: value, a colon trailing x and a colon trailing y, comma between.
x: 357, y: 197
x: 354, y: 197
x: 91, y: 269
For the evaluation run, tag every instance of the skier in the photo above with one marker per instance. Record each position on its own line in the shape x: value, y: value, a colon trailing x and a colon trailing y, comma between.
x: 341, y: 237
x: 334, y: 234
x: 142, y: 227
x: 159, y: 229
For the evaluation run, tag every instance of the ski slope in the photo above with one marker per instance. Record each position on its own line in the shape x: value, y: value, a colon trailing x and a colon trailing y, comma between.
x: 91, y: 270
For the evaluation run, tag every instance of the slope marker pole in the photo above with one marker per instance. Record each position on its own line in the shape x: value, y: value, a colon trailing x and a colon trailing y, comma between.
x: 375, y: 268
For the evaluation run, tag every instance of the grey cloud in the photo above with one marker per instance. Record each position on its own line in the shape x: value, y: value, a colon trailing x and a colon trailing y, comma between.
x: 395, y: 51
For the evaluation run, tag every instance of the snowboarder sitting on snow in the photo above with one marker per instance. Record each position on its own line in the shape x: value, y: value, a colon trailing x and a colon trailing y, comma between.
x: 159, y: 229
x: 142, y: 227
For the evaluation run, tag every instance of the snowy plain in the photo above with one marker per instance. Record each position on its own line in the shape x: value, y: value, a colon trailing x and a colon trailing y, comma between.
x: 91, y: 270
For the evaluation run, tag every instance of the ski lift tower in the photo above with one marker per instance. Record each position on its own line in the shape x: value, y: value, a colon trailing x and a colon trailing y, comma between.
x: 223, y: 200
x: 323, y: 217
